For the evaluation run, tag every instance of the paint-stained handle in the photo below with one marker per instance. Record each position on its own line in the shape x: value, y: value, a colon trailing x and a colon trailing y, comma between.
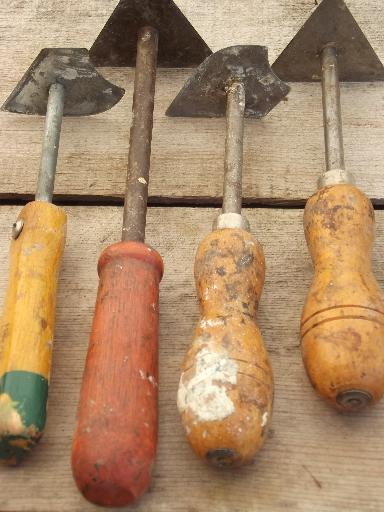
x: 342, y: 326
x: 226, y: 387
x: 27, y: 327
x: 114, y: 445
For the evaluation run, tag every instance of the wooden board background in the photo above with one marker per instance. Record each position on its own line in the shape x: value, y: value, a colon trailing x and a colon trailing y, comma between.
x: 284, y: 151
x: 315, y: 459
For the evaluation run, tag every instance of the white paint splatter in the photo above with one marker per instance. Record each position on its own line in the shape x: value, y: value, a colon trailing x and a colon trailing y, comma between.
x: 213, y: 322
x: 142, y: 180
x: 142, y: 374
x: 206, y: 393
x: 264, y: 419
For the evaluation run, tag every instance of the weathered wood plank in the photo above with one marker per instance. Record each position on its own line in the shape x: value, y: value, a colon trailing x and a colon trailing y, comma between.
x: 314, y: 460
x: 283, y: 152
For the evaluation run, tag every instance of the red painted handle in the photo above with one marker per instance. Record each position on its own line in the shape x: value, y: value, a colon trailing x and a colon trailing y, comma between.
x: 115, y: 440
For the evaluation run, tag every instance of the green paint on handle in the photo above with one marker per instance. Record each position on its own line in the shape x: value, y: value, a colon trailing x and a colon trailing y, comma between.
x: 23, y: 402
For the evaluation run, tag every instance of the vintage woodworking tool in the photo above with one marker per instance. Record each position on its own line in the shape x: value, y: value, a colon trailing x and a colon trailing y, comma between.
x: 60, y: 82
x: 115, y: 441
x: 226, y: 387
x: 342, y: 324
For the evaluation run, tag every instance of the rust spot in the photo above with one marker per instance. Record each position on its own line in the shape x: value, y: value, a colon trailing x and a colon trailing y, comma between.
x: 233, y: 290
x: 227, y: 342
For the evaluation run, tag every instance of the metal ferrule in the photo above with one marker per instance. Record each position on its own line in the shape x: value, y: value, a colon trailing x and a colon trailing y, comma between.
x: 335, y: 177
x: 231, y: 221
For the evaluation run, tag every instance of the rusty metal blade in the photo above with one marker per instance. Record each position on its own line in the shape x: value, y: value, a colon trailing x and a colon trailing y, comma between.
x: 204, y: 94
x: 86, y: 91
x: 179, y: 43
x: 331, y: 22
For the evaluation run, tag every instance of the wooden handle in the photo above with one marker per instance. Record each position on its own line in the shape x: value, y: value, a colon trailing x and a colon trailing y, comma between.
x: 226, y: 387
x: 342, y: 327
x: 27, y: 328
x: 114, y: 445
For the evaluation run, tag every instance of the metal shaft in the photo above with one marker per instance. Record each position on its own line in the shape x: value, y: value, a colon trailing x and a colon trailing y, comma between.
x: 333, y: 127
x: 135, y: 208
x: 233, y: 167
x: 53, y: 120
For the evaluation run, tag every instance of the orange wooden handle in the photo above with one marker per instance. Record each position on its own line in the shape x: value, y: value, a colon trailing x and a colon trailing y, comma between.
x: 114, y: 445
x: 226, y: 387
x: 342, y: 327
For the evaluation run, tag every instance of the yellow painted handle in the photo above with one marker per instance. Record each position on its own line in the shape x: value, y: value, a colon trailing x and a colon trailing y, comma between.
x: 226, y: 387
x: 27, y: 328
x: 342, y: 327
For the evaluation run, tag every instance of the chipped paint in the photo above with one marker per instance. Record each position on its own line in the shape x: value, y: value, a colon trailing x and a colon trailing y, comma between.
x: 213, y: 322
x: 264, y: 419
x: 10, y: 420
x: 205, y: 394
x: 152, y: 380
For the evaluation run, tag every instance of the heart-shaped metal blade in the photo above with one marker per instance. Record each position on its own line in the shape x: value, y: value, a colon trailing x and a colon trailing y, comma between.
x: 204, y: 94
x: 86, y: 91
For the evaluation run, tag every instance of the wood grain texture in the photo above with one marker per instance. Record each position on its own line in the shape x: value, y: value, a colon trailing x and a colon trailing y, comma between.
x: 342, y: 325
x: 115, y: 440
x: 27, y: 327
x: 314, y: 459
x: 28, y: 320
x: 226, y: 387
x: 284, y: 152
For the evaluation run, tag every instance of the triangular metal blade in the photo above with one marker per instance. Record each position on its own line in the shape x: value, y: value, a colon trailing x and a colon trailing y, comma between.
x: 331, y: 22
x: 86, y: 91
x: 179, y: 43
x: 204, y: 94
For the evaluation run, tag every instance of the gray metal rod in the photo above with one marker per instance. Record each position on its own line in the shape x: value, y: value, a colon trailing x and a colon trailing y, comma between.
x: 333, y: 127
x: 139, y: 158
x: 233, y: 166
x: 53, y: 120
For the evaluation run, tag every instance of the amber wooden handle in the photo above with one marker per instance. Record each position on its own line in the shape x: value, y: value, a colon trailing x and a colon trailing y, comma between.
x: 27, y: 327
x: 114, y: 445
x: 226, y: 387
x: 342, y: 327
